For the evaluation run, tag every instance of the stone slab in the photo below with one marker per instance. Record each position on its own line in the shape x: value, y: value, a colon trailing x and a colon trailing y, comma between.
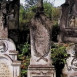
x: 41, y: 72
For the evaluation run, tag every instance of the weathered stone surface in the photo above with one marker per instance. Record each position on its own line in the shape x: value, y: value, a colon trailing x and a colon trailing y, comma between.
x: 10, y: 13
x: 3, y: 30
x: 13, y: 15
x: 68, y: 22
x: 41, y: 71
x: 9, y: 16
x: 70, y: 69
x: 9, y: 65
x: 40, y: 62
x: 3, y: 33
x: 40, y: 42
x: 5, y: 70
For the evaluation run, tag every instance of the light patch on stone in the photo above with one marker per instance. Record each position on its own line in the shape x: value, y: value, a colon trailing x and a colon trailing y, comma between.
x: 4, y: 70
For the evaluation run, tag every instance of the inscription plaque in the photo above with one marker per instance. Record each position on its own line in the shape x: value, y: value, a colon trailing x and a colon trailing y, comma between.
x: 4, y: 70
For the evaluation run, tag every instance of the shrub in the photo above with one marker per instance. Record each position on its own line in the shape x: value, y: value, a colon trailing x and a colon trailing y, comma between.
x: 24, y: 56
x: 59, y: 56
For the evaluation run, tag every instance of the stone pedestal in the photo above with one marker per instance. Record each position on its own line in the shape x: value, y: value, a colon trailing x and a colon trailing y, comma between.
x: 41, y: 71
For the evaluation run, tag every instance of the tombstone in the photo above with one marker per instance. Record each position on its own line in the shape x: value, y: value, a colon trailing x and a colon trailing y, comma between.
x: 68, y: 34
x: 40, y: 62
x: 13, y: 14
x: 70, y: 69
x: 9, y: 15
x: 9, y: 65
x: 10, y: 12
x: 3, y: 21
x: 68, y: 22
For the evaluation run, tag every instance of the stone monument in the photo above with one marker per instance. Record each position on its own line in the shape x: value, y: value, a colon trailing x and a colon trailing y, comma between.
x: 68, y: 34
x: 68, y: 22
x: 40, y: 62
x: 70, y: 69
x: 9, y: 65
x: 9, y: 15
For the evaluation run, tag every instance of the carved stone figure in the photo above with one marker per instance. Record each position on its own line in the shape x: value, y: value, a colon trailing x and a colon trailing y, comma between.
x: 72, y: 22
x: 40, y: 40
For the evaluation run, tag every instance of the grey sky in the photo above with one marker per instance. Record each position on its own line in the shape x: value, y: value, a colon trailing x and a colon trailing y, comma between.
x: 56, y: 2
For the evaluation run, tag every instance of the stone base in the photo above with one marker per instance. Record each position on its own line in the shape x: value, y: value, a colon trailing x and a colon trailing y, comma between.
x: 41, y: 71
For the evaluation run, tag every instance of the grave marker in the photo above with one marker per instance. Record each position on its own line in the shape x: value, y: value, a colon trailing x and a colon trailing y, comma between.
x: 9, y: 65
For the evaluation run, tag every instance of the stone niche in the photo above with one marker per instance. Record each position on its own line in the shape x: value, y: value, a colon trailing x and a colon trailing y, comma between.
x: 9, y: 65
x: 68, y: 22
x: 9, y: 13
x: 70, y: 69
x: 9, y: 19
